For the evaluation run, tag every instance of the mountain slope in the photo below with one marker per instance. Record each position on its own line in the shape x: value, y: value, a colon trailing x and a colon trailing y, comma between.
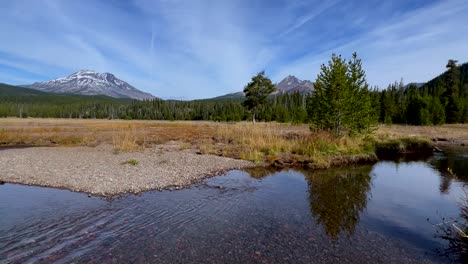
x: 91, y: 83
x: 16, y: 94
x: 434, y: 85
x: 10, y: 90
x: 417, y: 84
x: 230, y: 96
x: 290, y: 84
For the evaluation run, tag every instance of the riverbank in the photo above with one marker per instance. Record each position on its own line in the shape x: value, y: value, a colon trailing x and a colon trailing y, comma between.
x: 262, y: 143
x: 109, y: 157
x: 455, y: 135
x: 100, y: 171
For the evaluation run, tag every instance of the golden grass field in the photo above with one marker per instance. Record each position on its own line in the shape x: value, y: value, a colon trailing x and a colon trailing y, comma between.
x: 262, y: 142
x: 457, y: 132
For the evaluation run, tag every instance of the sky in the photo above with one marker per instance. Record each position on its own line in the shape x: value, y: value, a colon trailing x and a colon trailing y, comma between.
x: 178, y: 49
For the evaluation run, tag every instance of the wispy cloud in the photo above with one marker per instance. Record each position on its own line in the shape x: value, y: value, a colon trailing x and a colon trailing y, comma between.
x: 196, y: 49
x: 414, y: 46
x: 303, y: 19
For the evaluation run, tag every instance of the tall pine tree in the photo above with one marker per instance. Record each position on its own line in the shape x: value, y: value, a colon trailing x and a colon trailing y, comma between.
x: 453, y: 108
x: 257, y: 92
x: 341, y: 99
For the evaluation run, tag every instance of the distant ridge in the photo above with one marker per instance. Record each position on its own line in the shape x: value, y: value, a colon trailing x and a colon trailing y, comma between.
x: 11, y: 90
x: 417, y: 84
x: 288, y: 85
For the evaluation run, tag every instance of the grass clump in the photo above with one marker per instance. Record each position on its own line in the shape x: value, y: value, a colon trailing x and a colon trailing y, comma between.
x: 133, y: 162
x: 185, y: 146
x: 254, y: 156
x: 126, y: 141
x: 278, y: 143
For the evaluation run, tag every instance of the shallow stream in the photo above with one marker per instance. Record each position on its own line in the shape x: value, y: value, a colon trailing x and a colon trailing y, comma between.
x: 388, y: 212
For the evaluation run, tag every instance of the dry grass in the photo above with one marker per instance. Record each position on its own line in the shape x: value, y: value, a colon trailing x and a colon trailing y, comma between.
x: 47, y: 132
x: 126, y: 141
x: 261, y: 143
x: 450, y: 132
x: 284, y: 143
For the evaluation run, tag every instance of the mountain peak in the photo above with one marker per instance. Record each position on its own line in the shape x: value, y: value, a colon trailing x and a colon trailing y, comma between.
x: 88, y: 82
x: 293, y: 84
x: 290, y: 84
x: 87, y: 73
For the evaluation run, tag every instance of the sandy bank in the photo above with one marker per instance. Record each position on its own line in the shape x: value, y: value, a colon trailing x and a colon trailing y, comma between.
x: 99, y: 171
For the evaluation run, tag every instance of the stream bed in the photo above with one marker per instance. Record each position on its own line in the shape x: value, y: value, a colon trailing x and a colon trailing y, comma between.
x: 391, y: 212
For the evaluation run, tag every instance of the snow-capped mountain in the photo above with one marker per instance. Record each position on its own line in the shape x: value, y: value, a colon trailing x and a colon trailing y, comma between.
x: 292, y: 84
x: 87, y: 82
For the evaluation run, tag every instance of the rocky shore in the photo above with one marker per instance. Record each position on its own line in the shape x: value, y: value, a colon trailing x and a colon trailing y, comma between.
x: 100, y: 171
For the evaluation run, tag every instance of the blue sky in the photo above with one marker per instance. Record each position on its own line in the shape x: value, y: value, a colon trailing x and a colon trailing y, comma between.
x: 197, y: 49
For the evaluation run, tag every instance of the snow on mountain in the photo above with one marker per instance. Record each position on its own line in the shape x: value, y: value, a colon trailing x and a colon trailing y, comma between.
x: 88, y: 82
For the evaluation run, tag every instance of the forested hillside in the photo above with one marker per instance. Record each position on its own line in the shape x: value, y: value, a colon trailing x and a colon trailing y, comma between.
x: 23, y: 102
x: 9, y: 90
x: 443, y: 99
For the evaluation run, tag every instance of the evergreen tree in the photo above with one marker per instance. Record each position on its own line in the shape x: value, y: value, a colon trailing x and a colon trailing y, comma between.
x: 299, y: 115
x: 417, y: 110
x: 453, y: 108
x: 360, y: 116
x: 341, y: 100
x: 257, y: 92
x: 438, y: 112
x: 330, y: 94
x: 464, y: 116
x: 385, y: 108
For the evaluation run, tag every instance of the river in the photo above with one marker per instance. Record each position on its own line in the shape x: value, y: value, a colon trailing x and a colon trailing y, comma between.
x: 393, y: 211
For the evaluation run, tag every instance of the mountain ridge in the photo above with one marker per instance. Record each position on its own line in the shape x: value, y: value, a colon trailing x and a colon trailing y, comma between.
x: 290, y: 84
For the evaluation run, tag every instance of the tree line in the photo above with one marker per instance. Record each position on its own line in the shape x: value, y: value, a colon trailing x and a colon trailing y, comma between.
x: 342, y: 101
x: 281, y: 108
x: 442, y: 100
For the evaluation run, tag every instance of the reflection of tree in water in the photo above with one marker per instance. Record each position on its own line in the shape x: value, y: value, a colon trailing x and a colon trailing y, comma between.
x: 445, y: 182
x: 457, y: 248
x: 337, y: 197
x: 458, y: 166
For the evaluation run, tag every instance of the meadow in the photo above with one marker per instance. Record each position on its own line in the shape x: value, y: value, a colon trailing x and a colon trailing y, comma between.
x: 272, y: 143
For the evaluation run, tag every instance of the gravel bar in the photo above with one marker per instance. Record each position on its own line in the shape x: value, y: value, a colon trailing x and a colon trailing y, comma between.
x: 100, y: 171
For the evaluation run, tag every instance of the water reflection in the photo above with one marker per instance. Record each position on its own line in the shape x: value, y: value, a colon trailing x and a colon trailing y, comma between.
x: 261, y: 172
x: 454, y: 232
x: 452, y: 166
x: 445, y: 182
x: 338, y: 197
x: 375, y: 214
